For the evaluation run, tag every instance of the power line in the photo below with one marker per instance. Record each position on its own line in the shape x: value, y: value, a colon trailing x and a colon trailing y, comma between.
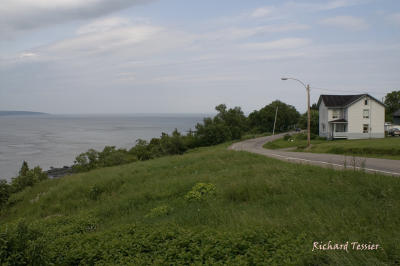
x: 336, y: 90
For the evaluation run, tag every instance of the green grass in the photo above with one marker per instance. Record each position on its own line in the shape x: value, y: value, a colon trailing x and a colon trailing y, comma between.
x: 264, y: 211
x: 388, y: 147
x: 296, y: 141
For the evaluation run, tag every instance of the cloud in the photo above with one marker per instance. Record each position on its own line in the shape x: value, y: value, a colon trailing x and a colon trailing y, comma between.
x: 262, y: 12
x: 19, y: 15
x: 326, y: 5
x: 236, y: 33
x: 346, y: 22
x: 103, y: 25
x: 394, y: 18
x: 286, y: 43
x: 25, y: 55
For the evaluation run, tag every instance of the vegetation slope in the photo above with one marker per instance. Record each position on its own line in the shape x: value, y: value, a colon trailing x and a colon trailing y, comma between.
x: 247, y: 209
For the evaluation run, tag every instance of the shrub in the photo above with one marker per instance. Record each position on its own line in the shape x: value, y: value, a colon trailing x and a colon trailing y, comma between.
x: 142, y: 150
x: 4, y: 192
x: 173, y: 144
x: 287, y: 137
x: 201, y: 191
x: 22, y: 245
x: 162, y: 210
x: 27, y: 177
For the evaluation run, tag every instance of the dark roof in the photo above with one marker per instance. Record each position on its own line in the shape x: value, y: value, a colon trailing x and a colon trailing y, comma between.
x: 342, y: 100
x: 338, y: 121
x: 397, y: 113
x: 339, y: 100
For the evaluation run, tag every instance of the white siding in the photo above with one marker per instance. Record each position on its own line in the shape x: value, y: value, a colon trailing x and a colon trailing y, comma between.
x: 375, y: 121
x: 323, y: 120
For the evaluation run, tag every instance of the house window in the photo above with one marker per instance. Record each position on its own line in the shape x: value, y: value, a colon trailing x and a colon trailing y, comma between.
x: 365, y: 113
x: 366, y: 102
x: 323, y: 128
x: 365, y: 128
x: 335, y: 114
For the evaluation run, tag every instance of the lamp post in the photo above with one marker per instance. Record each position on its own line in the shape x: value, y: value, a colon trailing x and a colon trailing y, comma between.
x: 308, y: 106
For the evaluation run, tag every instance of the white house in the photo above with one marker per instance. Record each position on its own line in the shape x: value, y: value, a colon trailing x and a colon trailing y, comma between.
x: 351, y: 117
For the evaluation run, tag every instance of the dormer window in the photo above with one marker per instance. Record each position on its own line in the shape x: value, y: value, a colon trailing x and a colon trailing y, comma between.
x: 366, y: 102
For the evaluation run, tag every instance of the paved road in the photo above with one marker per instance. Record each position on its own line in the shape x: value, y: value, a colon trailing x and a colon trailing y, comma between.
x: 382, y: 166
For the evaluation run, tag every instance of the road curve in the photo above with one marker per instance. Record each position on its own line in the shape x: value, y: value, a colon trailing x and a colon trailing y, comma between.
x: 373, y: 165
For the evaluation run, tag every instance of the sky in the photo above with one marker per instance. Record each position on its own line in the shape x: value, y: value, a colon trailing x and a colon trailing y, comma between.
x: 187, y: 56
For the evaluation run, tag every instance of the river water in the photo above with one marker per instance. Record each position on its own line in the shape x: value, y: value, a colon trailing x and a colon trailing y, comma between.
x: 55, y: 140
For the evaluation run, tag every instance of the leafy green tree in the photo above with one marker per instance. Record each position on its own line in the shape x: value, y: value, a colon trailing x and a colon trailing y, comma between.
x: 172, y: 144
x: 314, y: 121
x: 190, y: 140
x: 27, y: 177
x: 24, y: 169
x: 226, y: 125
x: 392, y: 102
x: 86, y: 161
x: 141, y: 150
x: 263, y: 120
x: 314, y: 106
x: 111, y: 156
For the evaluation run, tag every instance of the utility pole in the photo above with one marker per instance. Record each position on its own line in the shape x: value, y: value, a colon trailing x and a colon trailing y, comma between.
x: 276, y: 113
x: 309, y: 117
x: 308, y: 107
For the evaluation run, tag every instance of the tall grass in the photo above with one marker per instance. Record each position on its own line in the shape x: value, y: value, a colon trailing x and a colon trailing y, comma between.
x: 264, y: 211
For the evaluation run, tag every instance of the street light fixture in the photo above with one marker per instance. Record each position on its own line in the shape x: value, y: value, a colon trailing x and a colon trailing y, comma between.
x: 308, y: 106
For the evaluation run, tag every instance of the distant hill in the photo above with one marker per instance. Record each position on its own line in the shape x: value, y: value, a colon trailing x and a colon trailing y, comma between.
x: 2, y: 113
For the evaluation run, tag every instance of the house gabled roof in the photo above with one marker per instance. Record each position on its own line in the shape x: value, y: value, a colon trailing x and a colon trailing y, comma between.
x: 339, y: 101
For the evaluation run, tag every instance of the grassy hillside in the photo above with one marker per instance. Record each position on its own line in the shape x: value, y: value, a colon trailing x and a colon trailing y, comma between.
x: 263, y: 211
x: 388, y: 147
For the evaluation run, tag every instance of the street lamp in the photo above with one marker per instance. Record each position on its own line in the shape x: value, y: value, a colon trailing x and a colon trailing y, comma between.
x: 308, y: 106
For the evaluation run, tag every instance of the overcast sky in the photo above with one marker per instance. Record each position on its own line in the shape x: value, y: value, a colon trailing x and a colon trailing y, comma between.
x: 181, y: 56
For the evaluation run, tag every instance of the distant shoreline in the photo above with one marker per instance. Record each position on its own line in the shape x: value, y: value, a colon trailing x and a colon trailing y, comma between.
x: 11, y: 113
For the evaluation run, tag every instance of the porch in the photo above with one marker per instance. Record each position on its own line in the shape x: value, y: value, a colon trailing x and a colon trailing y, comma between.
x: 339, y: 129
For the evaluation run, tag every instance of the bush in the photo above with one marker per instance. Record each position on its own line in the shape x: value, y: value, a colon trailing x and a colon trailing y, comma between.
x: 27, y: 177
x: 74, y: 242
x: 4, y: 192
x: 142, y: 150
x: 227, y: 125
x: 173, y: 144
x: 287, y: 137
x: 200, y: 192
x: 162, y: 210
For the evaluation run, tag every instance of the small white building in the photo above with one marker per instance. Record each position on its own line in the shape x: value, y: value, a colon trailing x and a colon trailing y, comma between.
x: 351, y: 117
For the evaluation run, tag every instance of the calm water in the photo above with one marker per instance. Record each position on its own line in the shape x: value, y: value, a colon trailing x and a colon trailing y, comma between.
x: 55, y: 140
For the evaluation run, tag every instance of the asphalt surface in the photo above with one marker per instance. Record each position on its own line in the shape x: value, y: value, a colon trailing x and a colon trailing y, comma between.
x: 373, y: 165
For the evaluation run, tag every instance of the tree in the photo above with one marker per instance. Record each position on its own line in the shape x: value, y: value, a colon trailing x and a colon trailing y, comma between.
x: 314, y: 106
x: 263, y: 120
x: 226, y: 125
x: 86, y: 161
x: 27, y: 178
x: 314, y: 121
x: 24, y: 169
x: 142, y: 150
x: 392, y: 102
x: 173, y: 144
